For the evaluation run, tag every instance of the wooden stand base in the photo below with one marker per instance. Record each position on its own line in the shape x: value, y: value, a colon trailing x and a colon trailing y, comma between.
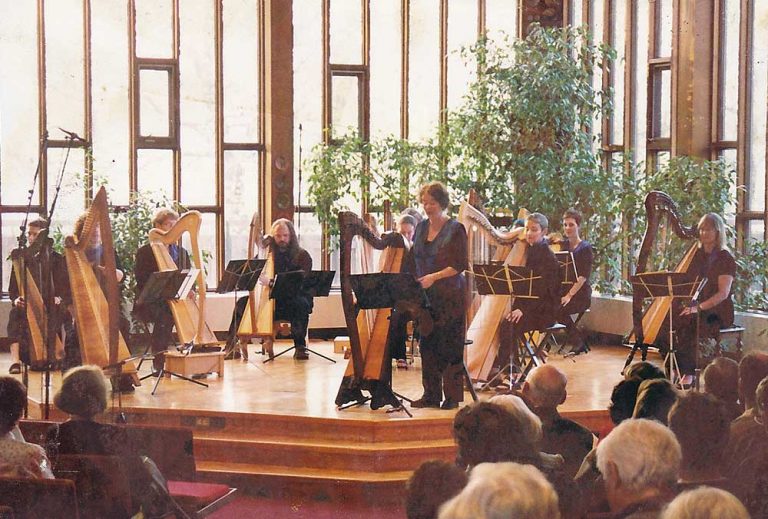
x: 195, y: 363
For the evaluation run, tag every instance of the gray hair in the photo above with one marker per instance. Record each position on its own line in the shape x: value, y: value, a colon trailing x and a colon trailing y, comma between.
x: 546, y: 386
x: 705, y: 503
x: 646, y: 454
x: 527, y: 418
x: 503, y: 490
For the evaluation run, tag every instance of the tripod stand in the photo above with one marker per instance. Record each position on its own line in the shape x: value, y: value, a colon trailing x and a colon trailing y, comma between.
x: 186, y: 349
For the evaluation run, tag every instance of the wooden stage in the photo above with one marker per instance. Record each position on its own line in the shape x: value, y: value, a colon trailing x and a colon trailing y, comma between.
x: 273, y: 430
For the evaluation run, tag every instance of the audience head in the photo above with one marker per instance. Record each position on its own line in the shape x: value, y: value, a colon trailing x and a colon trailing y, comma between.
x: 721, y: 379
x: 639, y: 458
x: 700, y: 423
x: 503, y: 490
x: 644, y: 371
x: 545, y: 388
x: 654, y: 399
x: 623, y: 399
x: 705, y: 503
x: 436, y: 192
x: 752, y: 369
x: 165, y: 219
x: 83, y: 392
x: 486, y: 432
x: 431, y: 485
x: 530, y: 423
x: 13, y: 397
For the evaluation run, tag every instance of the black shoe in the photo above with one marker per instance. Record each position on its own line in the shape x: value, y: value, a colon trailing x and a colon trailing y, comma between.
x: 449, y: 404
x: 422, y: 403
x: 15, y: 369
x: 300, y: 354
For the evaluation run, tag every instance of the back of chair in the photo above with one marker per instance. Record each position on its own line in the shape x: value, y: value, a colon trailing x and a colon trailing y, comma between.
x: 39, y: 498
x: 101, y: 482
x: 171, y: 448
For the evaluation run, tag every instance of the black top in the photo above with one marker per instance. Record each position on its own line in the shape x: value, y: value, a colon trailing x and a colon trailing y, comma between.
x: 285, y: 262
x: 711, y: 266
x: 542, y: 260
x: 447, y: 249
x: 146, y: 263
x: 583, y: 256
x: 58, y: 273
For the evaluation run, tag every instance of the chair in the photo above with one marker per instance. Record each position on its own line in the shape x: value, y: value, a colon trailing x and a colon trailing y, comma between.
x: 734, y: 332
x: 39, y: 498
x: 101, y: 484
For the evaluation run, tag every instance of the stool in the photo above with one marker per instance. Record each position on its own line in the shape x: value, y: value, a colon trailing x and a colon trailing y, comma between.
x: 734, y: 332
x: 195, y: 363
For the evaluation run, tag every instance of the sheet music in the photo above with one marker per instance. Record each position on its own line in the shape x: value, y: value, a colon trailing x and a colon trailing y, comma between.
x: 188, y: 283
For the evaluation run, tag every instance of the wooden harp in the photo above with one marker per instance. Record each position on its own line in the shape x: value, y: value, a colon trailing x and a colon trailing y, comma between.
x: 368, y: 335
x: 188, y: 314
x: 658, y: 206
x: 258, y: 317
x: 97, y: 305
x: 485, y: 244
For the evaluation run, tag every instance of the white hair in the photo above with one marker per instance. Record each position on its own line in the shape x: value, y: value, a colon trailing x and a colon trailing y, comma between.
x: 516, y: 407
x: 546, y: 385
x: 705, y: 503
x: 646, y: 454
x: 503, y: 490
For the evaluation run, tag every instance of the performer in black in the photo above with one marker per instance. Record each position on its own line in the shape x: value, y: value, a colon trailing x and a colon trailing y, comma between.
x: 439, y: 261
x: 398, y: 329
x: 715, y: 305
x: 578, y: 297
x: 533, y: 314
x: 158, y: 312
x: 18, y: 330
x: 288, y: 256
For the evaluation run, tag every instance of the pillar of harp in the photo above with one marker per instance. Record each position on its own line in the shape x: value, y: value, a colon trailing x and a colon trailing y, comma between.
x: 258, y: 317
x: 658, y: 207
x: 485, y: 313
x: 188, y: 314
x: 97, y: 300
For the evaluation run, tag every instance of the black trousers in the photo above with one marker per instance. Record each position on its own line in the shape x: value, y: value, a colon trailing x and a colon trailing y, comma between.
x: 442, y: 356
x: 296, y: 310
x: 512, y: 334
x: 685, y: 331
x: 573, y: 334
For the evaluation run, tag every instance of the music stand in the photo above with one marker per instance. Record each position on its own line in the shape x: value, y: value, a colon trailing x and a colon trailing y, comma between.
x: 240, y: 275
x: 568, y: 277
x: 674, y: 285
x: 518, y: 282
x: 315, y: 283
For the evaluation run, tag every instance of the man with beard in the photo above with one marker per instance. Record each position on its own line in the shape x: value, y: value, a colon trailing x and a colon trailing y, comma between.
x: 288, y: 256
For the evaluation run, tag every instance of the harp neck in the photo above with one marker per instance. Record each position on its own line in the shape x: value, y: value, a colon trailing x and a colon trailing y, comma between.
x: 657, y: 206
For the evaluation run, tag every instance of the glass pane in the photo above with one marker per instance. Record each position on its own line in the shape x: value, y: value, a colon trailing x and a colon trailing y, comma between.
x: 240, y: 43
x: 10, y: 233
x: 64, y: 67
x: 307, y: 80
x: 70, y: 203
x: 757, y: 132
x: 501, y: 16
x: 424, y: 69
x: 618, y: 22
x: 729, y: 73
x: 344, y: 106
x: 575, y: 18
x: 756, y: 231
x: 596, y: 28
x: 310, y: 237
x: 208, y: 249
x: 462, y: 32
x: 640, y: 86
x: 662, y: 99
x: 198, y: 103
x: 730, y: 156
x: 154, y: 171
x: 109, y: 58
x: 241, y: 199
x: 385, y: 70
x: 346, y: 25
x: 153, y: 101
x: 154, y: 28
x: 664, y: 28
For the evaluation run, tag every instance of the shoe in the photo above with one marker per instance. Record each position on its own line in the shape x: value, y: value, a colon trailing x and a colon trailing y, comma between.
x: 15, y: 369
x: 449, y: 404
x: 422, y: 403
x: 402, y: 364
x: 300, y: 354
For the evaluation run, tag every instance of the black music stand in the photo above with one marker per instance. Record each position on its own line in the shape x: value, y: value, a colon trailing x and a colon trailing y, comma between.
x: 316, y: 283
x: 518, y: 282
x: 240, y: 275
x: 674, y: 285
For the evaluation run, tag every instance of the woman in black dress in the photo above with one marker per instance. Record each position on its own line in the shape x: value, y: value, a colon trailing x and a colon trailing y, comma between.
x: 715, y: 304
x: 579, y: 296
x: 439, y: 260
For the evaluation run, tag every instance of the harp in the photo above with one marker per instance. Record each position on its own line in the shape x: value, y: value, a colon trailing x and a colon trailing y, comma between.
x: 188, y: 314
x: 97, y: 307
x: 663, y: 222
x: 258, y: 317
x: 368, y: 332
x: 487, y: 244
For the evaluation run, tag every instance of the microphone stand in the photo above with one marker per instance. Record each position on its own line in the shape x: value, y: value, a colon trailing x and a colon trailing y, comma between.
x: 298, y: 206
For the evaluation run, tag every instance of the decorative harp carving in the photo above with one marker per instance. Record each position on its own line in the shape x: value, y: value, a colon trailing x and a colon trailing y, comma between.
x: 485, y: 244
x: 188, y: 314
x: 258, y: 317
x: 97, y: 304
x: 659, y: 208
x: 369, y: 364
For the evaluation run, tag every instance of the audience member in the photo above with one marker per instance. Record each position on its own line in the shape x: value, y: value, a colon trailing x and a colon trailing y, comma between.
x: 431, y: 485
x: 503, y: 490
x: 721, y: 379
x: 705, y: 503
x: 700, y: 423
x: 17, y: 458
x: 640, y: 462
x: 654, y: 399
x: 643, y: 371
x: 623, y: 400
x: 544, y: 390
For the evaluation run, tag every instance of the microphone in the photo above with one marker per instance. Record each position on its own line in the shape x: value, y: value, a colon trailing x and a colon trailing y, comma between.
x: 72, y: 135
